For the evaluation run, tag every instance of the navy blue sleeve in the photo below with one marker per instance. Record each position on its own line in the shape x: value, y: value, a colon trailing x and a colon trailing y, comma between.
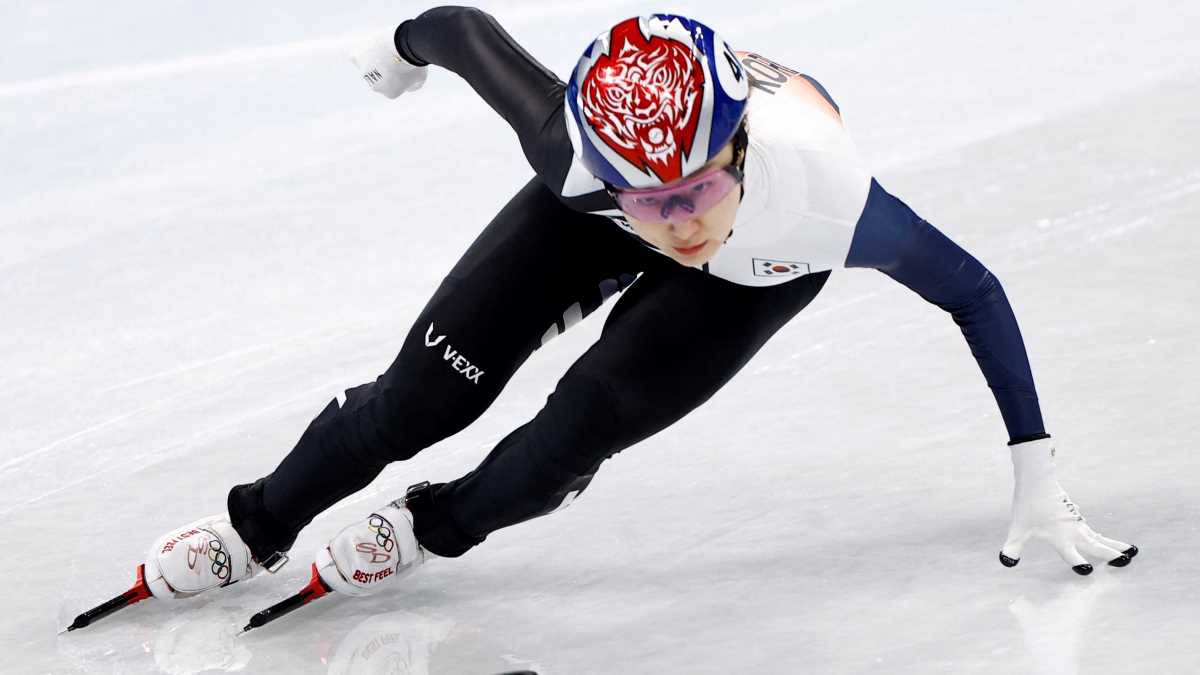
x: 893, y: 239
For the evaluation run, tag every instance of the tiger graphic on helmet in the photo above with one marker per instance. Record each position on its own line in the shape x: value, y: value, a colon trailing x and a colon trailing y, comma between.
x: 652, y: 100
x: 641, y: 99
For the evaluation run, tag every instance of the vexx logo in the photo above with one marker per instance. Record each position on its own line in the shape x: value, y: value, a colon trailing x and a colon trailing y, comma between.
x: 451, y: 355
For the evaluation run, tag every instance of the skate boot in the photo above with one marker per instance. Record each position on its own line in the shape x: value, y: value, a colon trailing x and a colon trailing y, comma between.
x: 363, y: 559
x: 372, y: 554
x: 197, y: 557
x: 218, y: 550
x: 212, y: 552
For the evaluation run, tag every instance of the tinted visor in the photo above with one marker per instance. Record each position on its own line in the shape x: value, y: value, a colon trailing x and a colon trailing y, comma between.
x: 681, y: 201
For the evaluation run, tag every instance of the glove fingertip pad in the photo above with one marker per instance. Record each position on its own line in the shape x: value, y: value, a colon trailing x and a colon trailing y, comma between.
x: 1007, y: 561
x: 1130, y: 552
x: 1082, y: 570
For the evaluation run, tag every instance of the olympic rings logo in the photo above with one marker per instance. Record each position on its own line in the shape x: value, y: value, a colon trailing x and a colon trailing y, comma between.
x: 383, y: 531
x: 220, y: 560
x: 216, y: 554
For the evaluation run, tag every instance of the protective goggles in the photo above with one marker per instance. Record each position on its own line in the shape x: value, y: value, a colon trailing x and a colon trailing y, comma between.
x: 682, y: 201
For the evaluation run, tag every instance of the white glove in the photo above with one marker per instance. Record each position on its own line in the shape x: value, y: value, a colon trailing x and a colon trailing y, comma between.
x: 1042, y: 509
x: 385, y: 70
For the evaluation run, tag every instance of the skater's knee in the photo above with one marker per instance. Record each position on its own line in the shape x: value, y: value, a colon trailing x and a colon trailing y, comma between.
x: 370, y: 426
x: 391, y: 421
x: 423, y: 399
x: 581, y: 422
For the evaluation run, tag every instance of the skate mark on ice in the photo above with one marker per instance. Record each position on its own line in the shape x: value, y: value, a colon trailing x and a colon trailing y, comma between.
x: 20, y: 459
x: 195, y: 365
x: 162, y: 402
x: 162, y: 454
x: 1178, y: 189
x: 1120, y: 230
x: 119, y: 75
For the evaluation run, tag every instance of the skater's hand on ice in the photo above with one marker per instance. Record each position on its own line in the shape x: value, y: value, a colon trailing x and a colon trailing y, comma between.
x: 1042, y: 510
x: 384, y: 70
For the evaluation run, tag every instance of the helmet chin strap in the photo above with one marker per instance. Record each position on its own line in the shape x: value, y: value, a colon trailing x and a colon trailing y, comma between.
x: 741, y: 141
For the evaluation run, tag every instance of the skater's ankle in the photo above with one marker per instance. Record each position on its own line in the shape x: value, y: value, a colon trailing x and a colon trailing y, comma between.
x: 266, y: 536
x: 434, y: 527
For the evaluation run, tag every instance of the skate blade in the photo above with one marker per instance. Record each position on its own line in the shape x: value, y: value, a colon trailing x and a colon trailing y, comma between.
x: 316, y: 588
x: 139, y: 592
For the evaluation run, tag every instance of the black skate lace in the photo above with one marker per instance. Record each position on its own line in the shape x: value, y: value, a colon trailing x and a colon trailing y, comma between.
x: 1072, y: 509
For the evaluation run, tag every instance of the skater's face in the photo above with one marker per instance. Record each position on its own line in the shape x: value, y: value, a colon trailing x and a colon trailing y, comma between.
x: 694, y: 239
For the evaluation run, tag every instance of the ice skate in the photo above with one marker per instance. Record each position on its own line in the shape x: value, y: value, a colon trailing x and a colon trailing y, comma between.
x: 372, y: 554
x: 198, y: 557
x: 213, y: 553
x: 365, y: 558
x: 185, y: 561
x: 206, y: 554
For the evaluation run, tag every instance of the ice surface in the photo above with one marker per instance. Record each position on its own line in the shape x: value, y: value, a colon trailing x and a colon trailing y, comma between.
x: 209, y: 227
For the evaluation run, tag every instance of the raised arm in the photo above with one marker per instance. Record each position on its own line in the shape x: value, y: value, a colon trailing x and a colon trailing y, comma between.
x: 469, y: 43
x: 891, y: 238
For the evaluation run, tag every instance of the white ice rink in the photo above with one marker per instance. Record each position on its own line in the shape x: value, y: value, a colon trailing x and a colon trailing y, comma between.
x: 209, y: 227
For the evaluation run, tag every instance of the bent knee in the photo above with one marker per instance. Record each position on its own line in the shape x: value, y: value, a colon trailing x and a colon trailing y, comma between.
x: 395, y: 423
x: 581, y: 424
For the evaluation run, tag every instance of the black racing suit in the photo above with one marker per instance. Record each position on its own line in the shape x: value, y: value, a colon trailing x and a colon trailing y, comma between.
x: 674, y: 338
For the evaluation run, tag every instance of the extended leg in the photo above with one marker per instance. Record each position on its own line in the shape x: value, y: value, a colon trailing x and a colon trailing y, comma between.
x: 536, y: 262
x: 671, y: 342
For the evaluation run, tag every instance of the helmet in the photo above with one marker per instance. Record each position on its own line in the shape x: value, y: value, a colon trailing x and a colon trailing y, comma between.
x: 653, y: 99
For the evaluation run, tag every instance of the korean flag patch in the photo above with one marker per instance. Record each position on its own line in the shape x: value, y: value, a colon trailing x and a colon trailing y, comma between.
x: 779, y: 268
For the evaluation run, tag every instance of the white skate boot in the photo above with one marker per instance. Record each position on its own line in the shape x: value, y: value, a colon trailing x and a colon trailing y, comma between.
x: 186, y: 561
x: 372, y: 554
x: 363, y: 559
x: 192, y: 559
